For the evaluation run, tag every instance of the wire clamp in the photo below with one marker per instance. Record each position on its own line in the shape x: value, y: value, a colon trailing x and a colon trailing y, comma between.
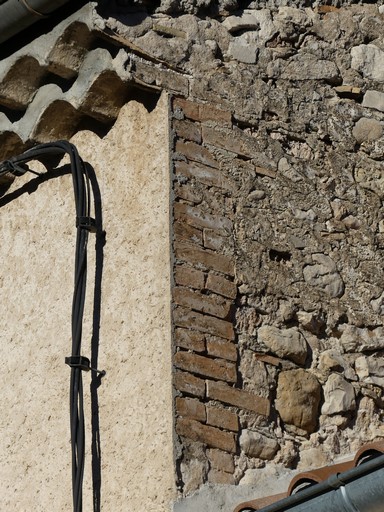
x: 86, y: 223
x: 83, y: 363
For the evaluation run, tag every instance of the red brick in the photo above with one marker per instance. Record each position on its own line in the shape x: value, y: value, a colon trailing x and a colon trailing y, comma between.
x: 196, y: 153
x: 184, y: 317
x: 209, y: 113
x: 232, y: 140
x: 221, y: 348
x: 220, y: 477
x: 190, y: 109
x: 222, y: 286
x: 204, y: 258
x: 183, y: 231
x: 212, y: 240
x: 187, y: 193
x: 199, y: 111
x: 191, y: 340
x: 210, y: 436
x: 214, y: 305
x: 265, y: 358
x: 207, y: 175
x: 237, y: 397
x: 222, y: 418
x: 189, y: 384
x: 222, y: 461
x: 187, y: 130
x: 188, y: 276
x: 190, y: 408
x: 215, y: 368
x: 195, y: 216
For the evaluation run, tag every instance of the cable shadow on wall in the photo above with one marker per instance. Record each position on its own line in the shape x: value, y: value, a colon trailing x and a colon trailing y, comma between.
x: 30, y: 187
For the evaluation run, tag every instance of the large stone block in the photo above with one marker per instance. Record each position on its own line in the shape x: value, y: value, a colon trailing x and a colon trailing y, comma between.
x: 298, y: 399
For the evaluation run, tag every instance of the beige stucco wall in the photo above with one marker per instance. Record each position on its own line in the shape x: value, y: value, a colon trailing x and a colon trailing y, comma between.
x: 36, y: 284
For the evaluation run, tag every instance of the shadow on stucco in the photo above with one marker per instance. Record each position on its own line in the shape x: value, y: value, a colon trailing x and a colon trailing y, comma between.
x: 29, y: 188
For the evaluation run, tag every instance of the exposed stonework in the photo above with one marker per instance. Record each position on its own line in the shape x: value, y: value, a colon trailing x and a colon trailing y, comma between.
x: 278, y: 232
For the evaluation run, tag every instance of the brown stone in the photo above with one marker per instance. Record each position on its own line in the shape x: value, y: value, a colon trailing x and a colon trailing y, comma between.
x: 208, y: 324
x: 215, y: 368
x: 214, y: 305
x: 221, y: 348
x: 238, y: 397
x: 190, y: 340
x: 222, y: 418
x: 190, y: 408
x: 188, y: 276
x: 210, y: 436
x: 189, y: 384
x: 187, y: 130
x: 298, y: 399
x: 196, y: 153
x: 221, y: 285
x: 204, y: 258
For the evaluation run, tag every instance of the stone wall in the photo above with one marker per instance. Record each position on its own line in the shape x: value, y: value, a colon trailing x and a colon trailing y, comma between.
x: 277, y: 227
x: 277, y: 242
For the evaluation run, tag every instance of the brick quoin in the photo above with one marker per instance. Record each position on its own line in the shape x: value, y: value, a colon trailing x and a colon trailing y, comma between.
x: 206, y: 175
x: 222, y: 418
x: 203, y: 257
x: 184, y: 317
x: 215, y: 368
x: 210, y: 436
x: 191, y: 408
x: 242, y: 399
x: 189, y: 384
x: 190, y: 340
x: 214, y: 305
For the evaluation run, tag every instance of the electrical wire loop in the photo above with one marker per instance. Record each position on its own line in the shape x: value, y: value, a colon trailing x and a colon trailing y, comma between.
x: 82, y: 193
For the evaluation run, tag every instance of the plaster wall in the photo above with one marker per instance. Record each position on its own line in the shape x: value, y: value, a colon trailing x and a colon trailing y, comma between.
x: 36, y: 284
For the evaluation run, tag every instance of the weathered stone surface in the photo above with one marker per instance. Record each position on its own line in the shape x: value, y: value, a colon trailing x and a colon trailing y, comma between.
x: 367, y: 129
x: 286, y: 343
x: 243, y: 52
x: 374, y: 99
x: 331, y: 360
x: 339, y: 395
x: 256, y: 444
x: 311, y: 68
x: 355, y: 339
x: 323, y: 274
x: 369, y: 60
x: 370, y: 369
x: 298, y: 399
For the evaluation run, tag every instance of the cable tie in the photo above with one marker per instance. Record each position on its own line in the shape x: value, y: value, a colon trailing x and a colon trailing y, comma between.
x: 86, y: 223
x: 83, y: 363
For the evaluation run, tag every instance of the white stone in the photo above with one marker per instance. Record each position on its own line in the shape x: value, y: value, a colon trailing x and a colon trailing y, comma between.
x: 339, y: 395
x: 369, y: 60
x: 256, y: 444
x: 374, y: 99
x: 323, y: 274
x: 285, y: 343
x: 367, y: 129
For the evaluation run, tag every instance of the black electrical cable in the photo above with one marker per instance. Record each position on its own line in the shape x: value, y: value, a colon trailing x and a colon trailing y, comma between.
x: 17, y: 165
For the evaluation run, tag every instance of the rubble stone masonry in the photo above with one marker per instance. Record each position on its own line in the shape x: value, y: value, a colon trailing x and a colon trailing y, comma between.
x: 277, y: 224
